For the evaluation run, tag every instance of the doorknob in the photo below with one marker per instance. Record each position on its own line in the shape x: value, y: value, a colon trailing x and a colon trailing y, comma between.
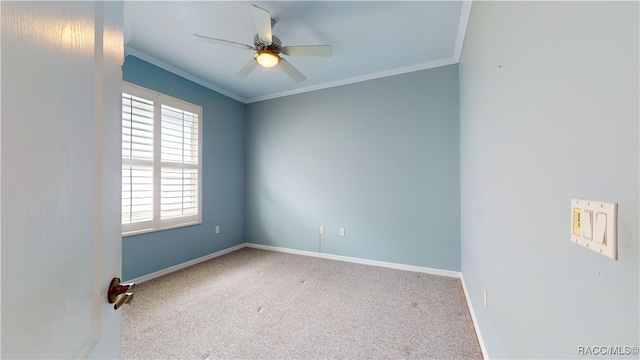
x: 119, y: 293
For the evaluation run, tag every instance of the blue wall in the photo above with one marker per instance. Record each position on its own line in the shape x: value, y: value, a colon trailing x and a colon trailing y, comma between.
x: 223, y: 147
x: 558, y: 120
x: 379, y: 158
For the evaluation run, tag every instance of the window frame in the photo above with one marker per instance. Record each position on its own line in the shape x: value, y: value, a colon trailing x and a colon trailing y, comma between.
x: 157, y: 223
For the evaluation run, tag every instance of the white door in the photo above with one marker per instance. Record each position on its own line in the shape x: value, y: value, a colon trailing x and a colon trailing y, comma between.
x: 60, y: 178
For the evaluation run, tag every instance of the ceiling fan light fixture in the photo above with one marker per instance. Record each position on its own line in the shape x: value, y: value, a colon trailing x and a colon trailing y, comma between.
x: 267, y: 58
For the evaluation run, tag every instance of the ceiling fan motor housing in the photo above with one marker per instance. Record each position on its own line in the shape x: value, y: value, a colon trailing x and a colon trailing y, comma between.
x: 275, y: 47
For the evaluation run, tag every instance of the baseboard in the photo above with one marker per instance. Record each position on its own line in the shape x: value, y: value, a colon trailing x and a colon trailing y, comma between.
x: 473, y: 318
x: 171, y: 269
x: 425, y: 270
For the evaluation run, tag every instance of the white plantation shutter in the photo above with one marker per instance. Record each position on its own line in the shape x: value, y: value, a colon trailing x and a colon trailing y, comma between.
x: 179, y: 163
x: 137, y: 159
x: 161, y: 142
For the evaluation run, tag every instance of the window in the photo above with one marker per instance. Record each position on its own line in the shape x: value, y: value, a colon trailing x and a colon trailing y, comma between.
x: 161, y: 157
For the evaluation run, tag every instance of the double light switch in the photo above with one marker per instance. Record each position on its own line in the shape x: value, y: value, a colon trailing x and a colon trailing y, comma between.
x: 594, y: 226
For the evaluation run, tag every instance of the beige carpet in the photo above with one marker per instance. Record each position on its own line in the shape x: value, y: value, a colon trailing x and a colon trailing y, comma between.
x: 256, y: 304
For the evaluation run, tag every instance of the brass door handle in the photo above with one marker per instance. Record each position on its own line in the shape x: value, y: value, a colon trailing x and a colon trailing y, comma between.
x: 119, y: 293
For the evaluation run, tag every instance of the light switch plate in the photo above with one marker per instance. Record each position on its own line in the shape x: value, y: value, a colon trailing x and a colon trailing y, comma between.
x: 594, y: 225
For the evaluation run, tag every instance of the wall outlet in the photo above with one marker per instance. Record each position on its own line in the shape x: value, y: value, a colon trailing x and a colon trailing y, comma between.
x: 341, y: 231
x: 217, y: 229
x: 321, y: 230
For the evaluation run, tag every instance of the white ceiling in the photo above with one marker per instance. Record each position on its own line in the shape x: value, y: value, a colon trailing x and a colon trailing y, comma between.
x: 369, y: 40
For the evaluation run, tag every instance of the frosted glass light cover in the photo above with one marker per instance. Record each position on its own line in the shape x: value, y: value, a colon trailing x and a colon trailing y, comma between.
x: 267, y: 59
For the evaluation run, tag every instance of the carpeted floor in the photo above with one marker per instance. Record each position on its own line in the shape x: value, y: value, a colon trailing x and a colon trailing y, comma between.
x: 257, y: 304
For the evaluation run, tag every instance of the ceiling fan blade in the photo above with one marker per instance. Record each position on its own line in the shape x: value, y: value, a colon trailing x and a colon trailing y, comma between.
x: 247, y: 68
x: 223, y: 42
x: 291, y: 71
x: 263, y: 23
x: 310, y: 50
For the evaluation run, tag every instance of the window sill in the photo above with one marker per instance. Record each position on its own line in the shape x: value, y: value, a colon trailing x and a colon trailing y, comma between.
x: 156, y: 229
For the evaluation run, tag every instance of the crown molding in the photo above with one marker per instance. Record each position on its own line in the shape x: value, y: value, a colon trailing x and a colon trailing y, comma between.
x: 170, y: 68
x: 357, y: 79
x: 462, y: 29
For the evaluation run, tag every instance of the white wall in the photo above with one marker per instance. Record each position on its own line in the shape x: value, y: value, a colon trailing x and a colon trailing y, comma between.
x: 549, y: 112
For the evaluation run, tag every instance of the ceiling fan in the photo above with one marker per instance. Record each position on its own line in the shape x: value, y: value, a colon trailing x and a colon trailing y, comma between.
x: 268, y: 48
